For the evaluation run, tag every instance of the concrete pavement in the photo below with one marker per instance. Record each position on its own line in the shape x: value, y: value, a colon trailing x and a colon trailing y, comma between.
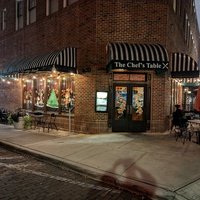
x: 153, y: 163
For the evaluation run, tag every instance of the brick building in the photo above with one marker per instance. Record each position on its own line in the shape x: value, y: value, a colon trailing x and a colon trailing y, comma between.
x: 100, y: 65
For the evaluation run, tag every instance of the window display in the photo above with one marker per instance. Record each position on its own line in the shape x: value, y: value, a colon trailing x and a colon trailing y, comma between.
x: 28, y: 97
x: 51, y: 93
x: 67, y: 94
x: 120, y: 102
x: 39, y: 94
x: 138, y: 103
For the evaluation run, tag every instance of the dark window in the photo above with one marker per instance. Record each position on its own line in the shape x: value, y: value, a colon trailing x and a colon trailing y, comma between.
x: 19, y: 15
x: 32, y: 4
x: 31, y: 12
x: 53, y: 6
x: 71, y: 1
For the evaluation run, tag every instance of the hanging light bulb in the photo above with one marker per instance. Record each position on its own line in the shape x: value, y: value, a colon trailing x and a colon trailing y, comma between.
x: 54, y: 69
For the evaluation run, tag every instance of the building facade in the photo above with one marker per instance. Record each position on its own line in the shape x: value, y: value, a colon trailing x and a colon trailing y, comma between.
x: 100, y: 65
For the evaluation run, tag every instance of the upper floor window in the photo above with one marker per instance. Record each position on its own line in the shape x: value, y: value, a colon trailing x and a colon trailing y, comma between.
x: 71, y: 1
x: 68, y: 2
x: 64, y: 3
x: 31, y: 11
x: 187, y: 28
x: 175, y: 5
x: 3, y: 19
x: 52, y: 6
x: 19, y: 14
x: 179, y: 7
x: 192, y: 4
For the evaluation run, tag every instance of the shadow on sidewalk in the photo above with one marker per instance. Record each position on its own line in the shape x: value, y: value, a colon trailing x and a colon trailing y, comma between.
x: 133, y: 180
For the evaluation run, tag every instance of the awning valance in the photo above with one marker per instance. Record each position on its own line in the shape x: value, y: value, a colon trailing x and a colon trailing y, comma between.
x: 183, y: 66
x: 137, y: 56
x: 63, y: 61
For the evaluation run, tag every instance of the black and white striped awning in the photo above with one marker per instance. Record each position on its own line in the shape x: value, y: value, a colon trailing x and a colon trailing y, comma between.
x: 62, y: 60
x: 188, y: 81
x: 183, y: 66
x: 137, y: 56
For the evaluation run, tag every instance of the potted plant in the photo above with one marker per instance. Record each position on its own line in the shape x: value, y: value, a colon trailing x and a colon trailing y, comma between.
x: 16, y: 118
x: 27, y: 121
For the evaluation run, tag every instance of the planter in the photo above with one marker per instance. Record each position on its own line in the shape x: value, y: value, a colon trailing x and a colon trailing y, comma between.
x: 20, y: 124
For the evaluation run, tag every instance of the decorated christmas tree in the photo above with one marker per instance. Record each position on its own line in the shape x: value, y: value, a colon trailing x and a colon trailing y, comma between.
x: 52, y: 101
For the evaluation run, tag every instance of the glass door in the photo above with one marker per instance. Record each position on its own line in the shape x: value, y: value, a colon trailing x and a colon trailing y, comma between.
x: 129, y: 108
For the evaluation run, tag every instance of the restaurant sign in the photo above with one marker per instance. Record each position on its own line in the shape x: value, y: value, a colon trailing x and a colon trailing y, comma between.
x: 134, y: 65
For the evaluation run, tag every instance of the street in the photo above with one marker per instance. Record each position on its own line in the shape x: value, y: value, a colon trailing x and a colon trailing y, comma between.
x: 24, y: 177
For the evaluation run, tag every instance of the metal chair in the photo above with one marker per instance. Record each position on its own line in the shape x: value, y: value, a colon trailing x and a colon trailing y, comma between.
x: 51, y: 123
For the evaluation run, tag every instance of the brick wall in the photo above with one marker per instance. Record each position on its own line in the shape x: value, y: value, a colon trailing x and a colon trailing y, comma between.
x: 10, y: 95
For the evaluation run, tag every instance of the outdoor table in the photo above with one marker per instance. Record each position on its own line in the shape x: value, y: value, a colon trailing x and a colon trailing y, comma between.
x: 196, y: 122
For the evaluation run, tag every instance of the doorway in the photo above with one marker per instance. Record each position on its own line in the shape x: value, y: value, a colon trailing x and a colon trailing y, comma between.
x: 130, y: 108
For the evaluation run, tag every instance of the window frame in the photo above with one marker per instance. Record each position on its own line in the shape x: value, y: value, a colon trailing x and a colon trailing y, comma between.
x: 65, y: 3
x: 3, y: 19
x: 30, y: 6
x: 31, y: 9
x: 68, y: 2
x: 175, y: 5
x: 19, y: 14
x: 49, y: 6
x: 186, y: 26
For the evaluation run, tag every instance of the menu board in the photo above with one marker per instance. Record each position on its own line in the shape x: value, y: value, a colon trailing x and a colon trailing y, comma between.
x: 101, y: 101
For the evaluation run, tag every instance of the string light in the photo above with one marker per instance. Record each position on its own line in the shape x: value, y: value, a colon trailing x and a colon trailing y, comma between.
x: 54, y: 69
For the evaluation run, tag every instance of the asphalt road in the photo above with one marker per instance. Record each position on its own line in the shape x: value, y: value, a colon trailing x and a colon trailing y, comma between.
x: 22, y: 177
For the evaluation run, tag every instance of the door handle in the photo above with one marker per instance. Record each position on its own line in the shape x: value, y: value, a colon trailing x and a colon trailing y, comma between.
x: 130, y: 109
x: 127, y: 109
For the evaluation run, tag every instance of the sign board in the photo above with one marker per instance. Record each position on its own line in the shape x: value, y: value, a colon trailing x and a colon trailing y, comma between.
x: 101, y: 104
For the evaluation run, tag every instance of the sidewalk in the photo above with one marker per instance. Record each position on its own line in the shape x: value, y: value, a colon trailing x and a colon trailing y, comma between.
x: 156, y: 164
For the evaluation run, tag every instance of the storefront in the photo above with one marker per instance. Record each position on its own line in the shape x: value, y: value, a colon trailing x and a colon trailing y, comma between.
x: 135, y: 99
x: 185, y: 81
x: 47, y: 81
x: 131, y: 68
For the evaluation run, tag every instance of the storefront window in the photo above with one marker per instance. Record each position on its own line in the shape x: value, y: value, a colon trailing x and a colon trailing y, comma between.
x: 138, y: 103
x: 52, y: 94
x: 120, y: 102
x: 67, y: 95
x: 28, y: 94
x: 39, y: 94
